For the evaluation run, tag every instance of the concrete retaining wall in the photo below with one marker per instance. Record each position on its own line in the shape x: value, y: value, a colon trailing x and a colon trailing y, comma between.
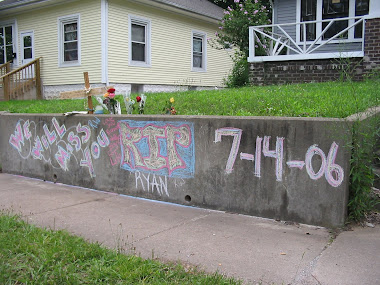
x: 283, y: 168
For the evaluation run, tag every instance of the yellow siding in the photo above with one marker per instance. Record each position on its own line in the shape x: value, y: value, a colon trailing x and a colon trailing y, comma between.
x: 171, y: 37
x: 44, y: 23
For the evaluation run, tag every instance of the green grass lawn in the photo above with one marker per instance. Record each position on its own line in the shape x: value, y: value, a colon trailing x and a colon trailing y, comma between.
x: 329, y: 99
x: 30, y: 255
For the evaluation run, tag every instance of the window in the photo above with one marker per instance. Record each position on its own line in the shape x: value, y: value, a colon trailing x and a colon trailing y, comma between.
x: 361, y: 8
x: 311, y: 10
x: 308, y: 13
x: 27, y: 47
x: 6, y: 43
x: 139, y: 42
x: 69, y: 41
x: 198, y: 51
x: 335, y: 9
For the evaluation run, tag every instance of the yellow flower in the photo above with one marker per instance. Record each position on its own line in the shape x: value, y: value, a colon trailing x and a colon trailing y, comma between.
x: 106, y: 95
x: 171, y: 100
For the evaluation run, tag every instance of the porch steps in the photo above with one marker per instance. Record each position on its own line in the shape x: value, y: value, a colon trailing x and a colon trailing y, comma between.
x: 24, y: 91
x: 23, y: 83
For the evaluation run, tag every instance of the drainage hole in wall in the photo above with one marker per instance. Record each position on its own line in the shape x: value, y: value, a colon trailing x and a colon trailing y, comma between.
x: 55, y: 178
x: 187, y: 198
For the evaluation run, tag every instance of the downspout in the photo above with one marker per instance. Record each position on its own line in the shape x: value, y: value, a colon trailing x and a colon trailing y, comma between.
x: 104, y: 40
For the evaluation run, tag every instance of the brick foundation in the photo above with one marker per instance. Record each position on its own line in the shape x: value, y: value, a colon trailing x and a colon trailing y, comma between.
x: 372, y: 45
x: 320, y: 70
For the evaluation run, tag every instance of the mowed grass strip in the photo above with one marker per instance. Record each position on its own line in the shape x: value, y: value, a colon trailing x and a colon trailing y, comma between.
x: 30, y: 255
x: 328, y: 99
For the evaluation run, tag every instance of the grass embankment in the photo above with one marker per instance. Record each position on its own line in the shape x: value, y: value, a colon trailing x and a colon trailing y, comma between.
x: 330, y: 99
x: 30, y: 255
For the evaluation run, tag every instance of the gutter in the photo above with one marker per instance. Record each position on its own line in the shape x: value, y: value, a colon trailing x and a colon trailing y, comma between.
x: 169, y: 3
x: 27, y: 5
x: 157, y: 3
x: 21, y: 4
x: 172, y: 7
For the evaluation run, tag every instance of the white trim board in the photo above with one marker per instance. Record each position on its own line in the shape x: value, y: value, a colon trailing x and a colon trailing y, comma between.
x: 60, y: 22
x: 104, y: 40
x: 306, y: 56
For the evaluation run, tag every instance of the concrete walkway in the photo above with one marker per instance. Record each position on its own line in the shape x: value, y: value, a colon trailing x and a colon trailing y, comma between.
x: 252, y: 249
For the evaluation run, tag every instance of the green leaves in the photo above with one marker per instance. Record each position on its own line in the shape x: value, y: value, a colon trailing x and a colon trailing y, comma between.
x: 364, y: 136
x: 237, y: 20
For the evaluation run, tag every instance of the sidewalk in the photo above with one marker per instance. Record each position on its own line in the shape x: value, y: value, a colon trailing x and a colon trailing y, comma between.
x: 252, y: 249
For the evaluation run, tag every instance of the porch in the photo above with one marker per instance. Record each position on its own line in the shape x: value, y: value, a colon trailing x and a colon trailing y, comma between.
x: 324, y: 39
x: 291, y: 53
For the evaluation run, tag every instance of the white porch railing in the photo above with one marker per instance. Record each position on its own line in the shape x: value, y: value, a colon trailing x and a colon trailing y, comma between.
x: 289, y: 41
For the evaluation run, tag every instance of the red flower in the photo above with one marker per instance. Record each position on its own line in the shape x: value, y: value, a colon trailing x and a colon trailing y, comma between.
x: 111, y: 90
x: 138, y: 98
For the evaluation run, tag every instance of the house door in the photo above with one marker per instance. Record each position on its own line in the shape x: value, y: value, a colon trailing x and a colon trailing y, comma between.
x: 27, y: 47
x: 27, y: 52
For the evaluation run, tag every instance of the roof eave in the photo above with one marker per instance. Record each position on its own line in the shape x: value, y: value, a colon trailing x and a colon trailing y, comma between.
x: 188, y: 10
x: 21, y: 6
x: 179, y: 9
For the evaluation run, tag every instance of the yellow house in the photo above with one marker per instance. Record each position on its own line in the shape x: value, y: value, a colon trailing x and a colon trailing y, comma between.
x: 134, y: 45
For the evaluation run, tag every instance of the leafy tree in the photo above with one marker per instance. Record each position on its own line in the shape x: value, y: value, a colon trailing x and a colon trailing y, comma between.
x: 225, y: 3
x: 234, y: 27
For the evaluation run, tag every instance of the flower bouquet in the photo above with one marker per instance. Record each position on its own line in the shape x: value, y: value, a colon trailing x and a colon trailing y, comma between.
x: 141, y: 100
x: 169, y: 109
x: 129, y: 103
x: 110, y: 101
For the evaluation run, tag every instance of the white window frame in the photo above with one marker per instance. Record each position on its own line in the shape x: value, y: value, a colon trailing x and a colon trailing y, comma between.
x: 134, y: 20
x: 61, y: 22
x: 13, y: 23
x: 203, y: 36
x: 351, y: 13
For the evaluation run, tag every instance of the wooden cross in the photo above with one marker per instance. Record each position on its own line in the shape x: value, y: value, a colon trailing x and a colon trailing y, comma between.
x: 88, y: 91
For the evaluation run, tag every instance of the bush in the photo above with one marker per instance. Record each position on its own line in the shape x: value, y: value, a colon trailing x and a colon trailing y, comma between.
x: 240, y: 73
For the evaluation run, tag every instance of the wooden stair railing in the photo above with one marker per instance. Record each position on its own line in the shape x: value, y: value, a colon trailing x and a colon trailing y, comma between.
x: 15, y: 83
x: 5, y: 68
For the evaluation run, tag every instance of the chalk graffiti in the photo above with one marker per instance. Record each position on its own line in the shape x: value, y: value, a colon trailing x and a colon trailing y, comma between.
x: 276, y: 154
x: 162, y: 148
x: 236, y: 133
x: 61, y: 130
x: 54, y: 143
x: 151, y: 183
x: 333, y: 173
x: 112, y: 131
x: 17, y: 140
